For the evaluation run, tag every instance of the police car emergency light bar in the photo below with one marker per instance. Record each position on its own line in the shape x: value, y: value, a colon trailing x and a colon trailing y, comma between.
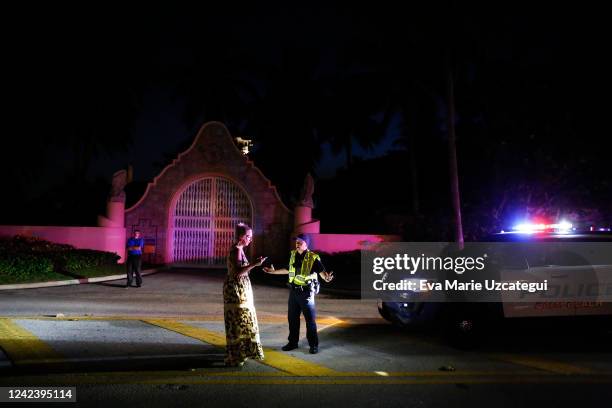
x: 561, y: 227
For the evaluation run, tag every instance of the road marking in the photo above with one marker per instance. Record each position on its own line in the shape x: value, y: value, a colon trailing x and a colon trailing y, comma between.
x: 214, y: 372
x: 109, y: 378
x: 331, y: 322
x: 556, y: 367
x: 394, y: 381
x: 23, y: 347
x: 275, y: 359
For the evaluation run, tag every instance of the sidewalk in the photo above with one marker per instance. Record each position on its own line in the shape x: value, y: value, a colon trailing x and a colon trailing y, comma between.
x: 77, y: 281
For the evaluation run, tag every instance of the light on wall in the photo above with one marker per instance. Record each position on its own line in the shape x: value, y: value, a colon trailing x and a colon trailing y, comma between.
x: 244, y: 145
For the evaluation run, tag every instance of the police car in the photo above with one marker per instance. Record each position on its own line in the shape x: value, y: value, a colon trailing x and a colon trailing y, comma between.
x: 565, y: 272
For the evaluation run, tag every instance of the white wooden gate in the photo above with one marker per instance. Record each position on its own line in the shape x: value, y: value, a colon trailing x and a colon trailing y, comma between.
x: 204, y: 219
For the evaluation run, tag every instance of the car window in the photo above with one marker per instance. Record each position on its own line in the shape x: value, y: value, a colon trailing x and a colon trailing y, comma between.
x: 539, y: 256
x: 565, y: 258
x: 536, y: 257
x: 515, y: 262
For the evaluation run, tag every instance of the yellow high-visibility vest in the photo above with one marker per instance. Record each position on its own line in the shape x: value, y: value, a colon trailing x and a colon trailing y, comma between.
x: 307, y: 263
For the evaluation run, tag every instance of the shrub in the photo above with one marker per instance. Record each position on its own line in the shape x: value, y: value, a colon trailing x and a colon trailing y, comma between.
x: 24, y: 267
x: 78, y: 259
x: 23, y: 258
x: 20, y: 243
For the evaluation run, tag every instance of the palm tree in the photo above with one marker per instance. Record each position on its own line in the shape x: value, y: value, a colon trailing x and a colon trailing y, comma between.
x: 286, y: 118
x: 355, y: 113
x: 429, y: 41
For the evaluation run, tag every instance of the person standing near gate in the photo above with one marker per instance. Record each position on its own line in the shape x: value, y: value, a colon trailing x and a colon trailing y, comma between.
x: 304, y: 267
x: 135, y: 246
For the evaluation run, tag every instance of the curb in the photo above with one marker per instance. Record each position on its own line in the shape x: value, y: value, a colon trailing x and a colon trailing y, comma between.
x: 75, y: 281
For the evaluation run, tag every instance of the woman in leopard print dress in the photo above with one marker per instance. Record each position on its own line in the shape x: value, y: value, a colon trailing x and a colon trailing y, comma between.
x: 241, y: 329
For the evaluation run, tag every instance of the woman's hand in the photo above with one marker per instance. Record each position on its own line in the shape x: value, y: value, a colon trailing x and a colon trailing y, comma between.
x: 260, y: 260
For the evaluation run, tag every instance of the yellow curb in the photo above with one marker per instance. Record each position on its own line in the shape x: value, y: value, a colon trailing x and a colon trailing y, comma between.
x: 23, y: 347
x: 544, y: 364
x: 274, y: 359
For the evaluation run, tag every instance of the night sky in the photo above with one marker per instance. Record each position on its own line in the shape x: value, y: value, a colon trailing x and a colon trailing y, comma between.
x: 91, y: 89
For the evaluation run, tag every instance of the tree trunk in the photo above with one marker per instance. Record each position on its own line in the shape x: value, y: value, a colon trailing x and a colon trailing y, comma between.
x: 452, y: 160
x: 414, y: 175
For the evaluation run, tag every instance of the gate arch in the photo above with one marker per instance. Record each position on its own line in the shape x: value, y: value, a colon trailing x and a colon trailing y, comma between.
x: 202, y: 221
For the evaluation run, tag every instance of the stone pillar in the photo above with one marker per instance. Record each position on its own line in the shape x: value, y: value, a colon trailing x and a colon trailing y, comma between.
x: 115, y: 215
x: 115, y: 205
x: 114, y: 221
x: 303, y: 222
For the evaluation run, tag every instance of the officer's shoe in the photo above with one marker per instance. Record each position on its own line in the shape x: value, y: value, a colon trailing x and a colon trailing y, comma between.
x: 289, y: 347
x: 314, y: 349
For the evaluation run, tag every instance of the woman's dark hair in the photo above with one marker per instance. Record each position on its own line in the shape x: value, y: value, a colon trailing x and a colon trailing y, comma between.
x: 241, y: 229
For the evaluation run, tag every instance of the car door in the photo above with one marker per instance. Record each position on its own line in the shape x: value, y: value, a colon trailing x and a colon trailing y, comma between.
x: 593, y: 275
x: 539, y: 262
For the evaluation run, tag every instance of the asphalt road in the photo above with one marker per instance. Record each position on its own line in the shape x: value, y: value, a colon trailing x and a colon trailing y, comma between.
x: 162, y: 345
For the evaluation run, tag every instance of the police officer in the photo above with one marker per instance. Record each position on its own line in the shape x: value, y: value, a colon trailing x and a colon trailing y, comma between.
x: 304, y: 267
x: 134, y: 249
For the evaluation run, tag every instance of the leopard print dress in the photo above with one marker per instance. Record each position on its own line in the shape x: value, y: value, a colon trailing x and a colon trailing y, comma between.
x: 241, y: 328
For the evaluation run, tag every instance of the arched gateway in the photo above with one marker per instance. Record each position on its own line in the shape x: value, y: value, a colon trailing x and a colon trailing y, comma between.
x: 188, y: 213
x: 203, y: 219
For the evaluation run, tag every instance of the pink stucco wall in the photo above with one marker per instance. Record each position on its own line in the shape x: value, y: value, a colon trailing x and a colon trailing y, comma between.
x: 347, y: 242
x: 100, y: 238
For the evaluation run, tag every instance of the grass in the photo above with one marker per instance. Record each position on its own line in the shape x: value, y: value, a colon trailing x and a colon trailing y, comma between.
x: 29, y: 260
x: 103, y: 270
x: 49, y: 277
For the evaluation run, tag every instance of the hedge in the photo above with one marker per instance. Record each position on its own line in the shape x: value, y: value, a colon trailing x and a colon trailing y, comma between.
x: 77, y: 259
x: 24, y: 258
x: 24, y: 267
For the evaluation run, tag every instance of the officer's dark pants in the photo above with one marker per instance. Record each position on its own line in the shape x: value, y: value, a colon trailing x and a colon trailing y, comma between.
x: 133, y: 268
x: 302, y: 302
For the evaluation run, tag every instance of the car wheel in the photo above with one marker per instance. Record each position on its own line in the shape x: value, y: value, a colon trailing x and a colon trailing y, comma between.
x: 384, y: 313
